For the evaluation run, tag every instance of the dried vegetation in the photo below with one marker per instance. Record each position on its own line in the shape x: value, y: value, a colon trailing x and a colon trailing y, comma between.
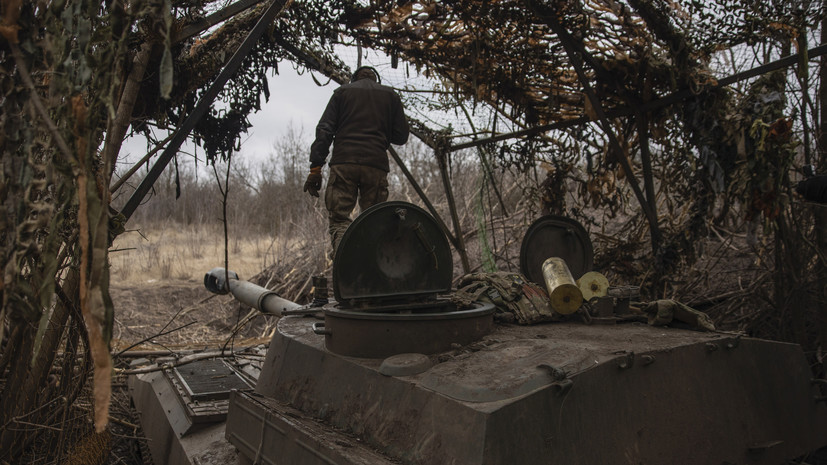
x: 611, y: 112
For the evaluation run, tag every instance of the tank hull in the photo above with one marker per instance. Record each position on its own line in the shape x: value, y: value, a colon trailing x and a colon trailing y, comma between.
x: 558, y: 393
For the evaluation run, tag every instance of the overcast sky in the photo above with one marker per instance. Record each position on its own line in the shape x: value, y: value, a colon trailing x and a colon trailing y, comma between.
x: 294, y: 99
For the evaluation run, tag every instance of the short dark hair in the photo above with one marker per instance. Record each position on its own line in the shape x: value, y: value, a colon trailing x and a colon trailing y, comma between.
x: 366, y: 72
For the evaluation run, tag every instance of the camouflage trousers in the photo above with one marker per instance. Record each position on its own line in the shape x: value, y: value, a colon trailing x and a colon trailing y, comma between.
x: 346, y: 184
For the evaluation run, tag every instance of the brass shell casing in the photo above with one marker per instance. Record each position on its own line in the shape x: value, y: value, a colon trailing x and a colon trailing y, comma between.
x: 593, y: 284
x: 564, y: 294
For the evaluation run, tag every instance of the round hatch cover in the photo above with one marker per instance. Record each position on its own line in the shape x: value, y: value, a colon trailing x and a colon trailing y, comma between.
x: 555, y: 236
x: 392, y: 251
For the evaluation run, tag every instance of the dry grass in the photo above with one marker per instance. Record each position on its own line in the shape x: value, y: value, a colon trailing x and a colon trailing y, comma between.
x: 173, y: 252
x: 157, y: 275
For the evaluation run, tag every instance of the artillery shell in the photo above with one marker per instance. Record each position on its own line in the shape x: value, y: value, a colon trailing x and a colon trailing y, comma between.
x: 593, y: 284
x: 564, y: 294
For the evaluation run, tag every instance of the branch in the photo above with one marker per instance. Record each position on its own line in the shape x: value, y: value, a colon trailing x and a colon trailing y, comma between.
x: 161, y: 333
x: 116, y: 130
x: 485, y: 166
x: 225, y: 192
x: 253, y: 313
x: 138, y: 165
x: 147, y: 339
x: 205, y: 23
x: 203, y: 105
x: 183, y: 361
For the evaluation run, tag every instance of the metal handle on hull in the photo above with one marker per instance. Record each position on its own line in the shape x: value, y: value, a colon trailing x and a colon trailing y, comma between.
x: 319, y: 329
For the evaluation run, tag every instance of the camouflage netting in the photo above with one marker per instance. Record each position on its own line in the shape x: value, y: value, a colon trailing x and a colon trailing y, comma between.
x: 649, y: 180
x: 503, y: 54
x: 473, y: 69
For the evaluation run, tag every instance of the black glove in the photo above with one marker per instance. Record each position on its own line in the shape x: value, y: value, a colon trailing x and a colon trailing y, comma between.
x: 314, y: 181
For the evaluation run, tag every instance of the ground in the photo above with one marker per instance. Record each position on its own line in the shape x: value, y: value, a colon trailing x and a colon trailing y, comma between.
x: 183, y: 309
x: 162, y: 306
x: 157, y: 285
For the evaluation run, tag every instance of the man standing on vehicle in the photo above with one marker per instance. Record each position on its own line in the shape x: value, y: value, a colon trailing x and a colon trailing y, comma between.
x: 362, y: 119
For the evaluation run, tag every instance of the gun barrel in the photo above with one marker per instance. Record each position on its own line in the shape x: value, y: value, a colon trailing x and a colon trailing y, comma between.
x: 264, y: 300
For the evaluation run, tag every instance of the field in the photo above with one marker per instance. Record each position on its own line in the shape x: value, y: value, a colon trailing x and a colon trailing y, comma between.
x: 157, y: 285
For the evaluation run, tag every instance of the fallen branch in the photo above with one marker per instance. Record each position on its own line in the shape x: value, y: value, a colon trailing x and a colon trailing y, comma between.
x: 111, y: 418
x: 144, y: 353
x: 147, y: 339
x: 180, y: 362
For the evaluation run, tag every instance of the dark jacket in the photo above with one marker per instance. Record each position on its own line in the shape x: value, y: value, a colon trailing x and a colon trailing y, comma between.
x: 814, y: 189
x: 361, y: 119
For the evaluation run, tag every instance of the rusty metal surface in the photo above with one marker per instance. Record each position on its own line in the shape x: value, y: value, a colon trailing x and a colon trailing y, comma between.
x: 555, y: 236
x: 379, y: 335
x: 392, y: 251
x: 563, y: 393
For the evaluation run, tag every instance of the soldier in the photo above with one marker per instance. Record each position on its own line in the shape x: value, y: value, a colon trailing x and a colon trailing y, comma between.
x: 361, y: 119
x: 813, y: 187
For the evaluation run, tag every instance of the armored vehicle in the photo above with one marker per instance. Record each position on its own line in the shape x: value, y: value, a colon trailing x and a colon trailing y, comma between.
x: 391, y: 371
